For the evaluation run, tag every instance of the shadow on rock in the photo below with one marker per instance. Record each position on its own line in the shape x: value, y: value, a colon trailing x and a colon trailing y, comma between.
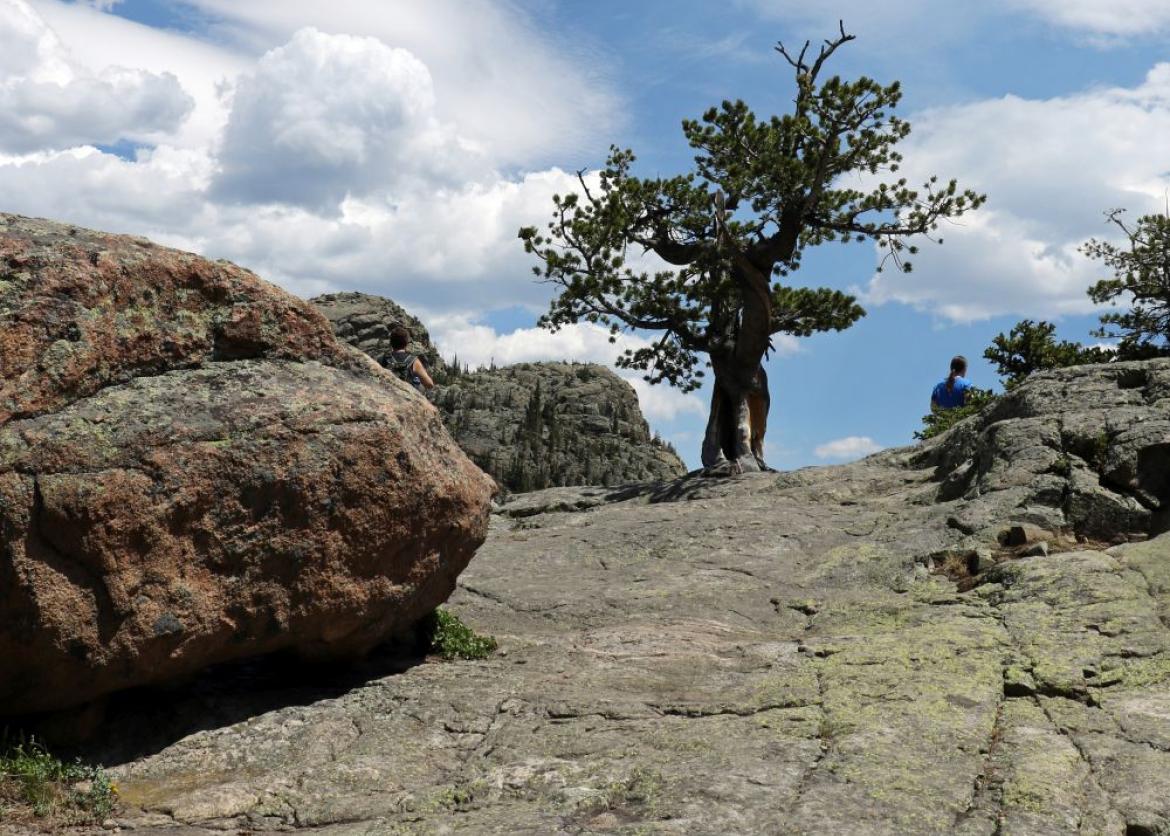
x: 135, y: 724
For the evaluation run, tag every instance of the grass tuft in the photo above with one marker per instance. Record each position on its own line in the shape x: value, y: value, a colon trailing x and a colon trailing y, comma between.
x: 36, y: 785
x: 452, y: 639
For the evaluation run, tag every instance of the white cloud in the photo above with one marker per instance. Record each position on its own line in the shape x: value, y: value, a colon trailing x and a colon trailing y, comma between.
x: 1112, y: 18
x: 329, y: 115
x: 479, y: 345
x: 661, y: 402
x: 48, y: 102
x: 847, y: 449
x: 521, y: 94
x: 1050, y: 169
x: 97, y: 41
x: 379, y: 192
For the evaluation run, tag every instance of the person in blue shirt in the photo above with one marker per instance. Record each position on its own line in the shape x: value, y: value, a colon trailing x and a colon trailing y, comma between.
x: 952, y: 392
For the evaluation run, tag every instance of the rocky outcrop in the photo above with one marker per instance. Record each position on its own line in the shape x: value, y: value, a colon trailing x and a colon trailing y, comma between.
x: 531, y: 425
x: 365, y: 322
x: 538, y: 425
x: 1084, y: 450
x: 791, y: 653
x: 193, y: 469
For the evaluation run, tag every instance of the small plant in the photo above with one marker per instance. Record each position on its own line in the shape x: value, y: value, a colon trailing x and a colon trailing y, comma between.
x: 452, y: 639
x: 942, y: 420
x: 1099, y: 450
x: 643, y: 787
x: 34, y: 783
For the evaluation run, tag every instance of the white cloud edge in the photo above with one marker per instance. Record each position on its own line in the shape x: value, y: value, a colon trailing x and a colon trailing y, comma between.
x: 847, y: 448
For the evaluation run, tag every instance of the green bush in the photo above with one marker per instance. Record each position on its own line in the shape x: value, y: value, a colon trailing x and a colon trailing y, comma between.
x: 452, y: 639
x: 942, y: 420
x: 34, y: 783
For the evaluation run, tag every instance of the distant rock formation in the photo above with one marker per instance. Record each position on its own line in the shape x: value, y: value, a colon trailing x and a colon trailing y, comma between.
x: 532, y: 425
x: 540, y: 425
x: 193, y: 469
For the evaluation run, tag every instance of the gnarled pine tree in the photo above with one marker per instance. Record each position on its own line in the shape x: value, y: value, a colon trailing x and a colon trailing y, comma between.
x: 760, y: 193
x: 1141, y: 277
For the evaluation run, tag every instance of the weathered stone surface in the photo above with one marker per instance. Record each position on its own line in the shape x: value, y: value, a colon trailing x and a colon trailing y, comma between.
x: 531, y: 425
x: 766, y: 654
x: 193, y: 470
x: 81, y: 310
x: 1084, y: 450
x: 365, y: 322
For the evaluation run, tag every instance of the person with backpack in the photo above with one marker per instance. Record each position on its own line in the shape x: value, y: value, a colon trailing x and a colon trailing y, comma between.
x: 952, y: 392
x: 405, y: 365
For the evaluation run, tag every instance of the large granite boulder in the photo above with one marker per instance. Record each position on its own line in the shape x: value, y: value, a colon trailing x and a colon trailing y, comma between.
x: 192, y: 470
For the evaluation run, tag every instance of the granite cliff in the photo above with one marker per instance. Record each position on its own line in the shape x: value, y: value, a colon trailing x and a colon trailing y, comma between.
x: 967, y: 636
x: 531, y: 425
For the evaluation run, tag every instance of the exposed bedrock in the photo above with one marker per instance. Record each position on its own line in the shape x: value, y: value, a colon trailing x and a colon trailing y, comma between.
x: 1084, y: 449
x: 774, y: 653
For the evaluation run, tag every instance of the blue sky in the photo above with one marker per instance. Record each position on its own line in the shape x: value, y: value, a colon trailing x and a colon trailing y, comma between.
x: 395, y: 147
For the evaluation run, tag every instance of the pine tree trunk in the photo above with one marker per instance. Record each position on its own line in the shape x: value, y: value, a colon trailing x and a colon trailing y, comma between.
x: 728, y: 436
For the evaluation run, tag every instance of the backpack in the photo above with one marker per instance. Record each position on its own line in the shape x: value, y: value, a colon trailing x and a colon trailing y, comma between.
x: 402, y: 365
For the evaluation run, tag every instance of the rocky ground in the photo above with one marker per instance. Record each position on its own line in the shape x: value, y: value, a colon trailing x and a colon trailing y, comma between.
x: 837, y: 650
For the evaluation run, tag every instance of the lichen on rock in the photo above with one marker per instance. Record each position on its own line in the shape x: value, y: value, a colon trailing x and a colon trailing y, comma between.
x: 193, y: 469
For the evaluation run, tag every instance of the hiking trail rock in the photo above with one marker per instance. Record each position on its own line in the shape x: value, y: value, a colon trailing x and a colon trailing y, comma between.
x: 193, y: 469
x: 773, y: 653
x: 530, y: 425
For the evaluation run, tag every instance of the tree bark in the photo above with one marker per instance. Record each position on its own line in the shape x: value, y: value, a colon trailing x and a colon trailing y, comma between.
x: 728, y: 438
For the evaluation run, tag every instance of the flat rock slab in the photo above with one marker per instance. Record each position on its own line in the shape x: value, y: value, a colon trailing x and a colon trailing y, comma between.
x: 766, y: 654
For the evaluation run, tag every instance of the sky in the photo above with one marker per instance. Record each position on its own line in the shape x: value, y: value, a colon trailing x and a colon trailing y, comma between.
x: 396, y: 146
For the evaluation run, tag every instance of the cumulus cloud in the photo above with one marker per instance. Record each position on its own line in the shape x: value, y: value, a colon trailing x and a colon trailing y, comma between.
x: 48, y: 102
x: 847, y: 449
x: 524, y: 95
x: 660, y: 402
x: 1115, y: 18
x: 1050, y: 169
x: 327, y: 116
x: 479, y: 345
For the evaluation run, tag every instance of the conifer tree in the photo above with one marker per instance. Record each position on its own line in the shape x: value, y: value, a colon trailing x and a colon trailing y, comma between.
x: 1141, y: 277
x: 733, y: 230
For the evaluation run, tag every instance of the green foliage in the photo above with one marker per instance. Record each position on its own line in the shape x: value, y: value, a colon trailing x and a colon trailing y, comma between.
x: 941, y: 420
x: 761, y: 191
x: 1141, y: 277
x: 37, y: 784
x: 452, y: 639
x: 1030, y: 346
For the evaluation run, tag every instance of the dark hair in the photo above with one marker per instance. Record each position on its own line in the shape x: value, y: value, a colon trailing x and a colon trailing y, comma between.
x: 399, y: 338
x: 958, y: 369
